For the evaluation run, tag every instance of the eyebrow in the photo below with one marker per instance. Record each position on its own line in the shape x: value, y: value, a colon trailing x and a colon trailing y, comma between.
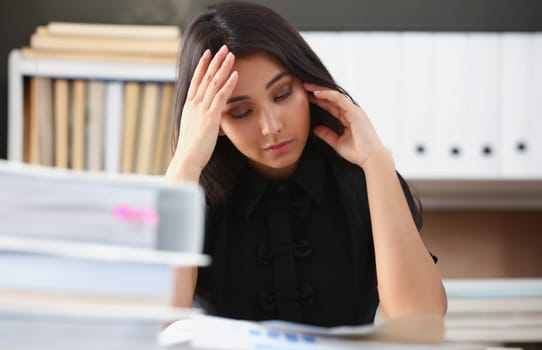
x: 275, y: 79
x: 267, y: 86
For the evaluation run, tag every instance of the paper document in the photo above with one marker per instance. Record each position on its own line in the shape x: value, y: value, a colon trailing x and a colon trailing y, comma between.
x: 209, y: 332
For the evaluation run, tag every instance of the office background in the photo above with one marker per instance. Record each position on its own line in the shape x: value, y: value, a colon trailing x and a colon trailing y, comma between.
x: 485, y: 229
x: 19, y: 19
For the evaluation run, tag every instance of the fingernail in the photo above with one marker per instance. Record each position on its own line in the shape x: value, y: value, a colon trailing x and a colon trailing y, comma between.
x: 206, y: 53
x: 223, y: 48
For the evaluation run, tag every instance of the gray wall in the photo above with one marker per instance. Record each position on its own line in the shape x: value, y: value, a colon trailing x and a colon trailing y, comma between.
x: 18, y: 19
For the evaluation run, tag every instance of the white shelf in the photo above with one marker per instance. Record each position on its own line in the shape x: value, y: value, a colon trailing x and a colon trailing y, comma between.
x: 91, y: 69
x: 479, y: 193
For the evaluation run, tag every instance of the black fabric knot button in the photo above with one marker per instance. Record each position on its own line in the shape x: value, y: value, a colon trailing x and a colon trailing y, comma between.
x: 300, y: 249
x: 270, y: 300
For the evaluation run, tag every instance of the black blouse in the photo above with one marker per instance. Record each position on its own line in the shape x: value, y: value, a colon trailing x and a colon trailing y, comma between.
x: 299, y: 250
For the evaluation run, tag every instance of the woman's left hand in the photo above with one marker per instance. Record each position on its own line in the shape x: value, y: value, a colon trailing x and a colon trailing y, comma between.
x: 359, y: 142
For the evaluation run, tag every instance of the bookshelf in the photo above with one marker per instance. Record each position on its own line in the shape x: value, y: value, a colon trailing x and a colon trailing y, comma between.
x: 21, y: 67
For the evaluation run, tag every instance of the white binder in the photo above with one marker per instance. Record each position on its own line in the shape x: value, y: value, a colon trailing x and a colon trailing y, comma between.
x: 449, y: 96
x: 482, y: 122
x: 371, y: 61
x: 385, y: 86
x: 327, y: 46
x: 113, y: 126
x: 357, y: 60
x: 415, y: 155
x: 516, y: 73
x: 534, y: 168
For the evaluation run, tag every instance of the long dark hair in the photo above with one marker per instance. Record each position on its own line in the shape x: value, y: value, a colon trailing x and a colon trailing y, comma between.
x: 246, y: 29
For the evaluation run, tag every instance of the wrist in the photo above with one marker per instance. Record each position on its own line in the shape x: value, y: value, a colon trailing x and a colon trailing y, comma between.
x: 378, y: 159
x: 182, y: 169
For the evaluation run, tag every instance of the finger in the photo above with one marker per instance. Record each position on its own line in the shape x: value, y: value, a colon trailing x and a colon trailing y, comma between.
x: 215, y: 64
x: 313, y: 87
x: 328, y: 135
x: 334, y: 97
x: 220, y: 98
x: 219, y: 79
x: 198, y: 74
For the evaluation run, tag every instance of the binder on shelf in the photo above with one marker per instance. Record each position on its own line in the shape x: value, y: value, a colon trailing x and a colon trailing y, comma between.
x: 370, y: 66
x: 326, y: 46
x: 416, y: 151
x: 78, y: 124
x: 113, y: 125
x: 359, y: 65
x: 161, y: 145
x: 534, y: 168
x: 147, y: 129
x: 129, y: 129
x: 96, y: 128
x: 482, y: 120
x: 45, y: 120
x: 516, y: 72
x: 61, y: 116
x: 385, y: 88
x: 449, y: 96
x: 32, y: 132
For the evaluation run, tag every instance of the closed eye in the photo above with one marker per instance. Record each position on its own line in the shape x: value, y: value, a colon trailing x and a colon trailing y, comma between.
x: 283, y: 93
x: 240, y: 113
x: 282, y: 97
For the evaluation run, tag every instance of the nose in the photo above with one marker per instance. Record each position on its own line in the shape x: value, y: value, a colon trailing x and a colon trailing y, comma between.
x: 270, y: 123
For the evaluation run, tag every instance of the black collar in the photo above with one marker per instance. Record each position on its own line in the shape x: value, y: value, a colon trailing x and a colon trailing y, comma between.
x: 309, y: 175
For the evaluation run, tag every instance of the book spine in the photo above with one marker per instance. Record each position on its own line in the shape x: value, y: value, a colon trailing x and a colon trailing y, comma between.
x: 61, y: 92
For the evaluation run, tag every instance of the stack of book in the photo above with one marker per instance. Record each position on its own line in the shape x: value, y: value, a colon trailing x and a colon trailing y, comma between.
x: 88, y: 260
x: 494, y: 310
x: 95, y: 124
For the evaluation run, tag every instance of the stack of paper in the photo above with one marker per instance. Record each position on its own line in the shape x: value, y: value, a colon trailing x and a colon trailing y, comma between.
x: 87, y: 260
x: 494, y: 310
x: 27, y: 324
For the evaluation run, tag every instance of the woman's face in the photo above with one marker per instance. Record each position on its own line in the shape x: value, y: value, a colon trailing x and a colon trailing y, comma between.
x: 267, y: 117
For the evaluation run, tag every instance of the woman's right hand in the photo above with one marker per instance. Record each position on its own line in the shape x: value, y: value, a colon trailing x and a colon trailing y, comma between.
x: 211, y: 86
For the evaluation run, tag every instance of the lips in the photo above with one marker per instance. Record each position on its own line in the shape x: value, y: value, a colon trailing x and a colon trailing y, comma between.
x: 277, y: 145
x: 278, y: 148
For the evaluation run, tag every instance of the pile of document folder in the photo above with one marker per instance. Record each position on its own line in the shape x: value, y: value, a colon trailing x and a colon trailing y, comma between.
x: 87, y: 260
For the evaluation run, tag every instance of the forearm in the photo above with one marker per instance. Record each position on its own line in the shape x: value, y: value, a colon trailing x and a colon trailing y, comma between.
x: 408, y: 280
x: 184, y: 285
x: 185, y: 278
x: 181, y: 168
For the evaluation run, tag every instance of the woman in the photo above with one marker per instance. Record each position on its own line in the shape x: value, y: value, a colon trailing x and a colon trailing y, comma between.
x: 307, y: 219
